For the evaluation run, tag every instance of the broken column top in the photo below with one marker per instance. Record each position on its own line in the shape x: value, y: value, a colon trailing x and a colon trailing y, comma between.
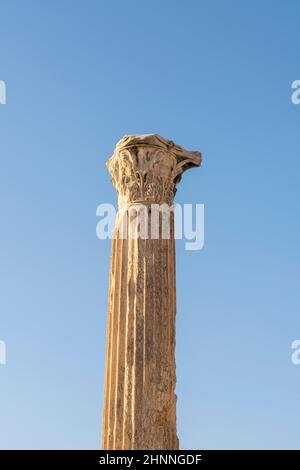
x: 147, y: 167
x: 156, y: 140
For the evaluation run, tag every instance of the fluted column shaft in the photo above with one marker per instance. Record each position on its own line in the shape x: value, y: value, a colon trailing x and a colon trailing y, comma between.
x: 140, y: 378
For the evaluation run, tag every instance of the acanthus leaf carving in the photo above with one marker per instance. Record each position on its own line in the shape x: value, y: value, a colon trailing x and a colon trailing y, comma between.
x: 147, y: 168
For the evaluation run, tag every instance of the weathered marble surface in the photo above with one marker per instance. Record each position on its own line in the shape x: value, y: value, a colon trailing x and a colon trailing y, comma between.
x: 140, y: 378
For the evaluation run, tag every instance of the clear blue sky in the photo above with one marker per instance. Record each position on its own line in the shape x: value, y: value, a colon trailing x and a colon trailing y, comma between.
x: 213, y: 76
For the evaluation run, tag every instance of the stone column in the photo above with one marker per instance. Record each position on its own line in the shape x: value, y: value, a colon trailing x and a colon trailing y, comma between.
x: 140, y: 378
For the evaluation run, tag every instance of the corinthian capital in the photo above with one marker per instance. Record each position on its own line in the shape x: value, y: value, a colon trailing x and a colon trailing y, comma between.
x: 147, y: 168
